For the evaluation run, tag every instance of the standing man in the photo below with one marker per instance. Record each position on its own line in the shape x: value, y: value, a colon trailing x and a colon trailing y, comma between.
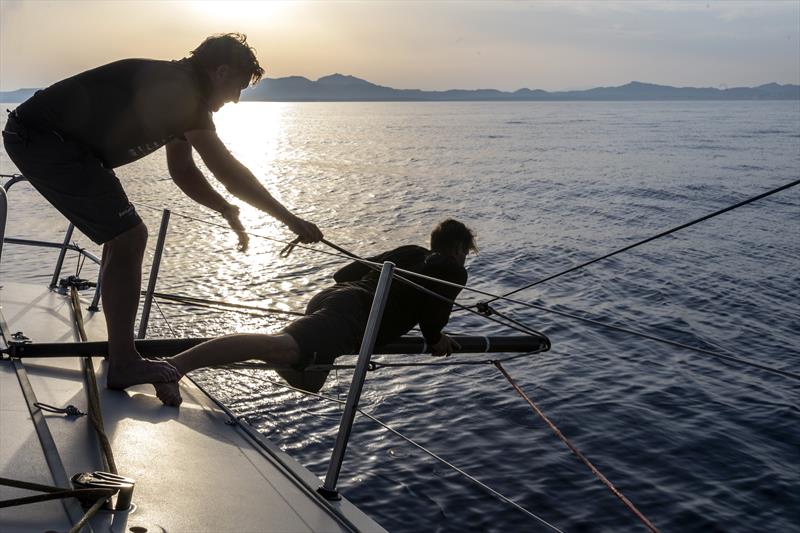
x: 68, y: 138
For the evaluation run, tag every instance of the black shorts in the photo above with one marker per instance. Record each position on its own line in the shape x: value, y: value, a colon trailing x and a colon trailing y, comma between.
x: 333, y: 326
x: 72, y: 179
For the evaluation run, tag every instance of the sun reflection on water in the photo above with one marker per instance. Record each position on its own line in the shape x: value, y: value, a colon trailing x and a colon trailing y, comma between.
x: 255, y: 135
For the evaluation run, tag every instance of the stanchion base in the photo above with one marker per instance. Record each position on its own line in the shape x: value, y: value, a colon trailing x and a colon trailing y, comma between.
x: 330, y: 495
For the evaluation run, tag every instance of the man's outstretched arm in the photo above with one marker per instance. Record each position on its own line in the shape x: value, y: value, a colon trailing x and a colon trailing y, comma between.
x: 194, y: 184
x: 244, y: 185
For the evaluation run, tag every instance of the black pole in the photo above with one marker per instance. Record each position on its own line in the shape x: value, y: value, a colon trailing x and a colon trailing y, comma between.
x: 169, y: 347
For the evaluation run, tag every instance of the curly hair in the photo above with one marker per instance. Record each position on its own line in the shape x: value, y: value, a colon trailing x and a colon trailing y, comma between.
x: 229, y: 49
x: 450, y: 233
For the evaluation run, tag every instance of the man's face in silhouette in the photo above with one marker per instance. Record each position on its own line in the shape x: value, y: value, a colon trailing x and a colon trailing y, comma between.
x: 227, y: 84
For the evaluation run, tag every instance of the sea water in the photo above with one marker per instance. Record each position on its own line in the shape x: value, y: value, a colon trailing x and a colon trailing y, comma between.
x: 696, y: 443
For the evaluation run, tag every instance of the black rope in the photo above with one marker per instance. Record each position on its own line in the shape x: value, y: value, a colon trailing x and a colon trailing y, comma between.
x: 654, y: 237
x: 60, y: 495
x: 81, y: 261
x: 69, y: 410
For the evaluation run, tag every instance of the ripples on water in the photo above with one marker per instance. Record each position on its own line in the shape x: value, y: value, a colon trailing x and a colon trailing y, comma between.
x: 696, y: 443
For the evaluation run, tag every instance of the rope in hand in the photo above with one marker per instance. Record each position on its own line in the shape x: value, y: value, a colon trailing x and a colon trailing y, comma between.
x: 577, y: 452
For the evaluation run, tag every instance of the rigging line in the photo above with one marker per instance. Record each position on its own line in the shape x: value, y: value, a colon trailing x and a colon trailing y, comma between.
x: 523, y: 329
x: 654, y: 237
x: 202, y: 301
x: 261, y: 314
x: 164, y: 317
x: 193, y: 300
x: 765, y: 368
x: 412, y: 442
x: 487, y: 311
x: 577, y: 452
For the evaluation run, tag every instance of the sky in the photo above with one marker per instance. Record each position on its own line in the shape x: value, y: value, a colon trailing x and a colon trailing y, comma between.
x: 432, y: 45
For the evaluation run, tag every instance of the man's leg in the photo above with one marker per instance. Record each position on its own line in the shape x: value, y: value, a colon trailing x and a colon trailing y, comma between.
x: 279, y: 350
x: 122, y: 279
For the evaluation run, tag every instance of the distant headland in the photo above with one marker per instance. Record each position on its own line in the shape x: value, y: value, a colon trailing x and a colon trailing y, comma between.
x: 342, y: 88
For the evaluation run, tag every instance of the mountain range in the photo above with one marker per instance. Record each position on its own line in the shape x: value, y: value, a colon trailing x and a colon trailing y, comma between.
x: 342, y: 88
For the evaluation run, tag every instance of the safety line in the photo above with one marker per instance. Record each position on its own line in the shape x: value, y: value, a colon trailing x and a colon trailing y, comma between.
x: 410, y: 441
x: 654, y: 237
x: 577, y: 452
x: 164, y: 317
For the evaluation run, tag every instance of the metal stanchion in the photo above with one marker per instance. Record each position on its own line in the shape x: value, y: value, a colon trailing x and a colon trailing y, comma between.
x: 61, y: 255
x: 95, y: 305
x: 3, y: 217
x: 151, y: 284
x: 328, y: 489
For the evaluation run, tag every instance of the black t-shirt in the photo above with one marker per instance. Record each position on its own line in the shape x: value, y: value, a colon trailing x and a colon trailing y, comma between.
x: 124, y: 110
x: 408, y: 306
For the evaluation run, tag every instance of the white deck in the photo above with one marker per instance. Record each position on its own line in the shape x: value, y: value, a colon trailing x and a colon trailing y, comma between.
x: 193, y: 472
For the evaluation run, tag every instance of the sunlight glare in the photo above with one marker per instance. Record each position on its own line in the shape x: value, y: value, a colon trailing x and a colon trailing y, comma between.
x: 254, y: 134
x: 238, y: 10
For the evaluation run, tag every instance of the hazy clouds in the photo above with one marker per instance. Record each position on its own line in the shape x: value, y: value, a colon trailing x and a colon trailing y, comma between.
x: 428, y: 45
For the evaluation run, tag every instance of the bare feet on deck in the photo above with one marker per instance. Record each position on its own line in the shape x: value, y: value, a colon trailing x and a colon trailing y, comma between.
x: 137, y: 371
x: 169, y: 393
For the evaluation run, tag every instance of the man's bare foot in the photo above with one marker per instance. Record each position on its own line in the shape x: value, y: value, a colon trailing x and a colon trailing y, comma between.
x: 124, y: 375
x: 169, y: 393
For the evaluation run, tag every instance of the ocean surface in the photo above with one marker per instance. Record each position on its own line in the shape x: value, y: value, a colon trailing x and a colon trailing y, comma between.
x: 698, y: 444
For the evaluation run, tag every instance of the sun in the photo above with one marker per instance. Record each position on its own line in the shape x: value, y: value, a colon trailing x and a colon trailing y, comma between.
x: 238, y: 10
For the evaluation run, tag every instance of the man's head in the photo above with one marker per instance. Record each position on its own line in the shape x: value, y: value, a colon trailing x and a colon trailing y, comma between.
x: 453, y: 238
x: 231, y: 66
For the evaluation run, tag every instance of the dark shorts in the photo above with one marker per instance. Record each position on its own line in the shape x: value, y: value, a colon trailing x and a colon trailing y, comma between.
x: 333, y: 326
x: 72, y: 179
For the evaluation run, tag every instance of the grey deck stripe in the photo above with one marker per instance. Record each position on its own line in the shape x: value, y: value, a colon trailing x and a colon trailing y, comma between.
x: 57, y: 470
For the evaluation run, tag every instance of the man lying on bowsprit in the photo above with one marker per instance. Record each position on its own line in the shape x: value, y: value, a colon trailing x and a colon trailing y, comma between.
x: 337, y: 316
